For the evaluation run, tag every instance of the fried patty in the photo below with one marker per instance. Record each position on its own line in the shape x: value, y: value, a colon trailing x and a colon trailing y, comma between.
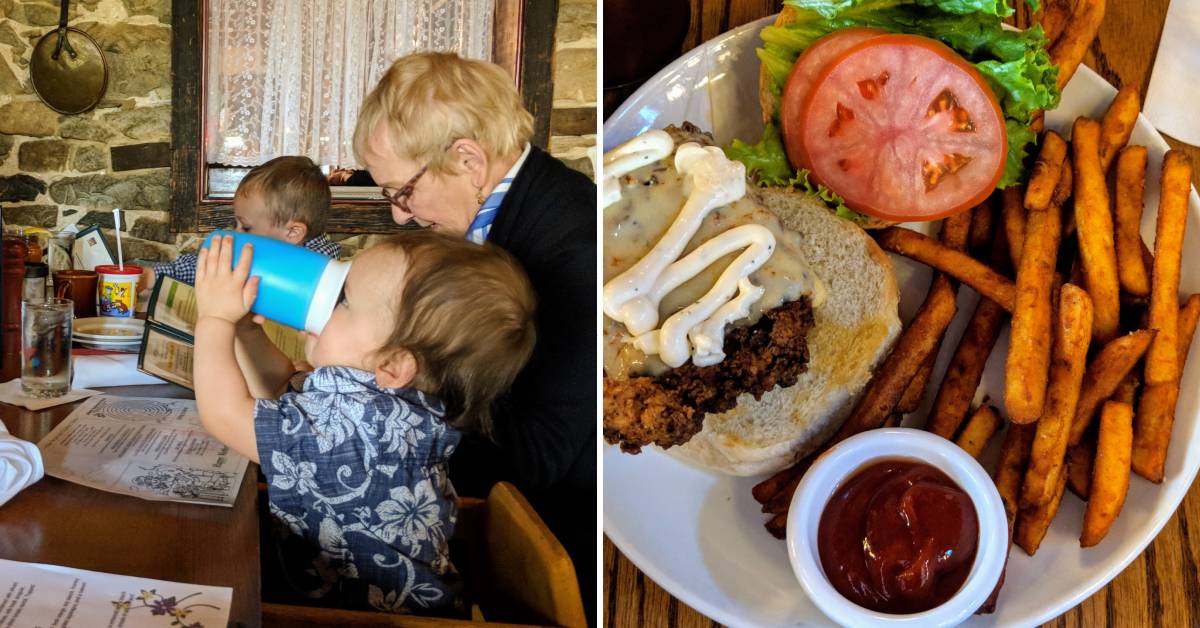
x: 669, y: 409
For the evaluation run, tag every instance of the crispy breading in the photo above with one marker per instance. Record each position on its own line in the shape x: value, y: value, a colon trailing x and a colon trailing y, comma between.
x: 669, y: 410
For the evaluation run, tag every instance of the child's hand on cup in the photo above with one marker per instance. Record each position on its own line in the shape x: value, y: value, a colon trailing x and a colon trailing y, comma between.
x: 223, y: 291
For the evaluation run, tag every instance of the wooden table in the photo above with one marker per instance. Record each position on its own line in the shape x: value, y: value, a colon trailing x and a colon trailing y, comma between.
x: 1162, y: 586
x: 61, y: 523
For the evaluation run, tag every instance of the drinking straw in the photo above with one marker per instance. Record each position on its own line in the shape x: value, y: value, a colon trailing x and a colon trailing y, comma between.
x: 117, y: 222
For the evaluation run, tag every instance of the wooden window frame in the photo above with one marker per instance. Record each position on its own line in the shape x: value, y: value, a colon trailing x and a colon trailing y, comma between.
x: 521, y: 43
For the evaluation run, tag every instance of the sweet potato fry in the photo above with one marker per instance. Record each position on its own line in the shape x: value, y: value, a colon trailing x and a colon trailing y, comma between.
x: 1152, y: 431
x: 1110, y: 475
x: 1071, y: 337
x: 956, y: 230
x: 982, y: 218
x: 1189, y: 314
x: 1095, y: 227
x: 1011, y: 465
x: 782, y: 500
x: 1079, y: 468
x: 914, y: 345
x: 1063, y: 191
x: 1046, y: 172
x: 894, y: 420
x: 960, y: 266
x: 777, y: 526
x: 1014, y: 222
x: 1014, y: 456
x: 1126, y: 391
x: 1028, y: 354
x: 955, y: 233
x: 768, y: 488
x: 1077, y: 34
x: 1162, y: 360
x: 1053, y: 17
x: 916, y: 392
x: 975, y: 435
x: 1104, y: 374
x: 1117, y: 124
x: 1131, y: 186
x: 966, y: 369
x: 1033, y: 522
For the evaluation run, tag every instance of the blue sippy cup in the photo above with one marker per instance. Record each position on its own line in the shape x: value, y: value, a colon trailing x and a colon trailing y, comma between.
x: 296, y: 287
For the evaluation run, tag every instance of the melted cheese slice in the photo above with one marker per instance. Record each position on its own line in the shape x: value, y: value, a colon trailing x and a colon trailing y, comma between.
x: 683, y: 247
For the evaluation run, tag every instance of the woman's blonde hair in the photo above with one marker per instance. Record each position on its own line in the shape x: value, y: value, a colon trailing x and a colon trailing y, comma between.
x: 466, y: 314
x: 430, y: 99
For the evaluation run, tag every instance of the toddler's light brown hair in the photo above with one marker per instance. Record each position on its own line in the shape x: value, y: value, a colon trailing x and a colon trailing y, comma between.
x: 293, y: 188
x: 466, y: 314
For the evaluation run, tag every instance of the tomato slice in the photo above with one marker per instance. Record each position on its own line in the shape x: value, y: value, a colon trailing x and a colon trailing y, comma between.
x: 800, y: 80
x: 904, y: 129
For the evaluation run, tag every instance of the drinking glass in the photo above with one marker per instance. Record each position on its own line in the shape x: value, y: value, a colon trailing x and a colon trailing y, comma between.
x: 46, y: 347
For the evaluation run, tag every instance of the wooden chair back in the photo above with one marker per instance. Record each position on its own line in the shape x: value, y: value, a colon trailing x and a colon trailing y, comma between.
x: 514, y: 568
x: 528, y: 564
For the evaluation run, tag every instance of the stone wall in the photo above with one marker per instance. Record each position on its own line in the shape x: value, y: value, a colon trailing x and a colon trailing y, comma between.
x: 573, y: 119
x: 56, y: 170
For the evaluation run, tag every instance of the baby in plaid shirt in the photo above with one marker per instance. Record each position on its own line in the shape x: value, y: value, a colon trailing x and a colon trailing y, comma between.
x: 286, y: 198
x: 429, y: 331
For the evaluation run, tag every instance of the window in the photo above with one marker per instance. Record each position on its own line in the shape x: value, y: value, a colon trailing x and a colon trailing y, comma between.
x: 255, y: 80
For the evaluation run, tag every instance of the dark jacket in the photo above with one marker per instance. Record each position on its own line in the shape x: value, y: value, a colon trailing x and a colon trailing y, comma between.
x: 545, y: 429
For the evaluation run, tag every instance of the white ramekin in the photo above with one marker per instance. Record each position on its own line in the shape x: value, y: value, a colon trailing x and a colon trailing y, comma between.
x: 841, y: 463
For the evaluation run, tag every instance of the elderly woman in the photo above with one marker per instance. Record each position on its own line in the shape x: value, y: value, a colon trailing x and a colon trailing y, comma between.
x: 448, y: 140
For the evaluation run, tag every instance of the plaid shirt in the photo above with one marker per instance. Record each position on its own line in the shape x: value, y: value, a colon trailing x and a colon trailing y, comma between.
x: 183, y: 268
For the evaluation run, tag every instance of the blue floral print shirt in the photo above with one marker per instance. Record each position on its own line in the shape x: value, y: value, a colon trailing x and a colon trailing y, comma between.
x: 357, y: 475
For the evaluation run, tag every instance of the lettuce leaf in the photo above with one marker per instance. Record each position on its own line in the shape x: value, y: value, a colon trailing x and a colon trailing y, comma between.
x: 767, y: 162
x: 1015, y: 64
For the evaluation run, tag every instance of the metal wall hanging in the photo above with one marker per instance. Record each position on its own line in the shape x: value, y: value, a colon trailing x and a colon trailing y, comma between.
x: 68, y: 69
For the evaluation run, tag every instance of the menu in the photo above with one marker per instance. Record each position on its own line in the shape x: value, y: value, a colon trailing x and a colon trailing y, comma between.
x: 33, y: 594
x: 150, y: 448
x: 168, y: 344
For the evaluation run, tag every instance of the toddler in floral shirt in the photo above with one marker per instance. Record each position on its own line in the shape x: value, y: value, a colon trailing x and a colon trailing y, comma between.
x: 429, y: 330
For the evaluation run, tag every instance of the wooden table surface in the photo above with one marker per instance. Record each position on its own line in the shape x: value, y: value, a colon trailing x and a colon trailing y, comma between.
x: 1162, y: 586
x: 61, y: 523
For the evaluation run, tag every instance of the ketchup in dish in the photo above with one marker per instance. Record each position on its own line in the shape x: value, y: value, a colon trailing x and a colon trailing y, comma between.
x: 898, y: 537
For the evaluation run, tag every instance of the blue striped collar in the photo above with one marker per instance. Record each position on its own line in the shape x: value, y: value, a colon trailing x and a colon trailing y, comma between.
x: 482, y: 224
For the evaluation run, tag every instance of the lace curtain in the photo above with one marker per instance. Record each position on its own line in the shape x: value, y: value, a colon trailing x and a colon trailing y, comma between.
x: 286, y: 77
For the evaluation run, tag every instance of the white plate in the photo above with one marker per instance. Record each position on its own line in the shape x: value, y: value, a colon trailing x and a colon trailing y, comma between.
x: 120, y: 348
x: 109, y: 329
x: 700, y: 535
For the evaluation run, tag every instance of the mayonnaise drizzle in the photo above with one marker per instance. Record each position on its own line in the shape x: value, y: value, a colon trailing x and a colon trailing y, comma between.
x: 646, y: 148
x: 632, y: 298
x: 708, y: 338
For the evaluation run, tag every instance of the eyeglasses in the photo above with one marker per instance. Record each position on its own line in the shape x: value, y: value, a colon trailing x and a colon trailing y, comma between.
x: 400, y: 197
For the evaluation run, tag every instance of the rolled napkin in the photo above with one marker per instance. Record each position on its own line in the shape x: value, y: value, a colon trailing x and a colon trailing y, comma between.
x: 1172, y: 96
x: 10, y: 392
x: 110, y: 369
x: 20, y: 465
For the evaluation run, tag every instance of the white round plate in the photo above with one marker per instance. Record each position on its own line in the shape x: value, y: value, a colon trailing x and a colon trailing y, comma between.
x: 109, y: 329
x: 700, y: 535
x: 126, y: 347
